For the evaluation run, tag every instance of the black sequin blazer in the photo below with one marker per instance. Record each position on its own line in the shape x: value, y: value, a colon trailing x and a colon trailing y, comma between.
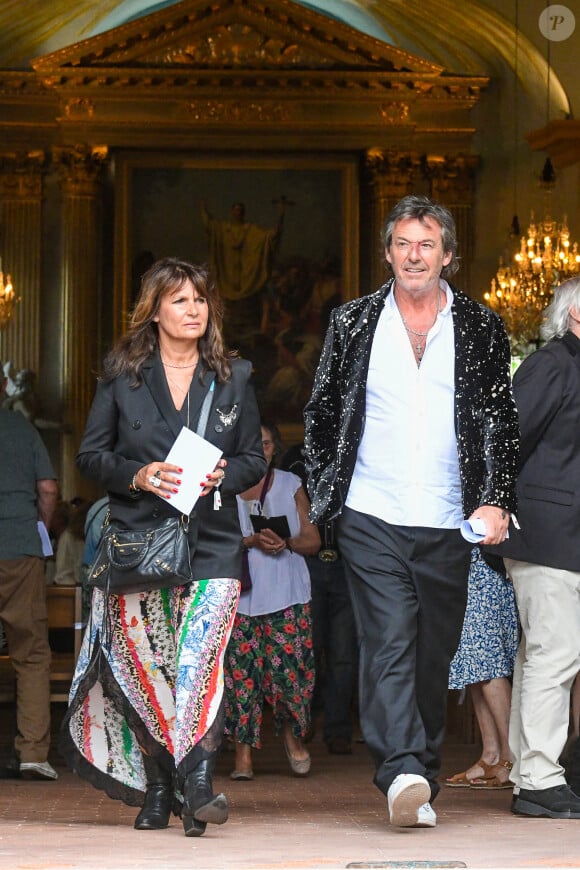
x: 486, y: 420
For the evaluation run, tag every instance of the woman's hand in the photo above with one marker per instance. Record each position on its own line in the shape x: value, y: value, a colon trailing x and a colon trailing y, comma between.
x: 162, y: 478
x: 214, y: 479
x: 269, y: 542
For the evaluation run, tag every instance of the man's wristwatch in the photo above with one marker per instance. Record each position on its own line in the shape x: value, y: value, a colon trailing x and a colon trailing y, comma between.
x: 133, y: 488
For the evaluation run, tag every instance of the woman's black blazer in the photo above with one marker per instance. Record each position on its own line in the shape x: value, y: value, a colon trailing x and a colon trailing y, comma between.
x: 129, y: 427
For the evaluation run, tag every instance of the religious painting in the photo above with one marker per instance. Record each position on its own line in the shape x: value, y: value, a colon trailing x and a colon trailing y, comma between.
x: 280, y: 237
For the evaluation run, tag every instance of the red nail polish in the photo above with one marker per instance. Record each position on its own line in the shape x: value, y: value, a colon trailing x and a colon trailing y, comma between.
x: 180, y: 470
x: 175, y: 490
x: 208, y: 476
x: 178, y: 481
x: 168, y: 496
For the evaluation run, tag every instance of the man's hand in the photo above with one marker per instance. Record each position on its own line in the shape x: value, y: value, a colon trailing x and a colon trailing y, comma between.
x: 496, y: 522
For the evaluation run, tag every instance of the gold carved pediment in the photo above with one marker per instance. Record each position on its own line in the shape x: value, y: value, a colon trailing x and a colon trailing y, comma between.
x: 239, y: 45
x: 226, y: 34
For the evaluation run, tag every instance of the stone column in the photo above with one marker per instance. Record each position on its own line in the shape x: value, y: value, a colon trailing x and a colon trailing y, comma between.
x: 20, y: 246
x: 389, y: 176
x: 451, y: 182
x: 80, y: 168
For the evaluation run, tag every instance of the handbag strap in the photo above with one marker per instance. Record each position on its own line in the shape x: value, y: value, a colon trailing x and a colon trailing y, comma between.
x: 265, y: 487
x: 204, y: 413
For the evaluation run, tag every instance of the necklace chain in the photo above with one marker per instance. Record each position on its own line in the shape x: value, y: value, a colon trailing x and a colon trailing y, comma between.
x: 415, y: 331
x: 188, y: 366
x: 419, y: 346
x: 185, y: 392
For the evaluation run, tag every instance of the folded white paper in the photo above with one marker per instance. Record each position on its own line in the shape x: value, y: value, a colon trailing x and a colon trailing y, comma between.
x: 198, y: 458
x: 474, y: 531
x: 45, y: 539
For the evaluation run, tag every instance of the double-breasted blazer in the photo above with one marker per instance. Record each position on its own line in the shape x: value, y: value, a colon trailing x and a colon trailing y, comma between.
x: 129, y: 427
x: 547, y: 394
x: 486, y: 424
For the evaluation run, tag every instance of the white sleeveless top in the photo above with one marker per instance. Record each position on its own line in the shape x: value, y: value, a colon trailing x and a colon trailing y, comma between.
x: 277, y: 581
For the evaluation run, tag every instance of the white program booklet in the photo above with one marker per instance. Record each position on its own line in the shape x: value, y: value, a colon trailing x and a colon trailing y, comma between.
x: 45, y: 539
x: 197, y: 457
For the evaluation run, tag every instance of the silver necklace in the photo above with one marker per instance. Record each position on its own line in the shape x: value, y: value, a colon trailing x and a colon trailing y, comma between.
x: 419, y: 346
x: 181, y: 390
x: 188, y: 366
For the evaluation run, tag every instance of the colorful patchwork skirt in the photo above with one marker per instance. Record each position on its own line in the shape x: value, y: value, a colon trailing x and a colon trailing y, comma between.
x: 149, y: 677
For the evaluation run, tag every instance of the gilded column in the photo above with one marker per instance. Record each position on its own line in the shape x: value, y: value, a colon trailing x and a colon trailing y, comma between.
x: 80, y: 169
x: 389, y: 176
x: 452, y: 183
x: 21, y: 194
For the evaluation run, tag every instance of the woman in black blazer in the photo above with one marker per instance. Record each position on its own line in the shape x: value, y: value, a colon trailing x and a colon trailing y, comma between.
x: 146, y: 712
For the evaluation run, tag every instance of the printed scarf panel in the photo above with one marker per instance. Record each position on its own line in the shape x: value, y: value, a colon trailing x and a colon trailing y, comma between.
x: 155, y: 681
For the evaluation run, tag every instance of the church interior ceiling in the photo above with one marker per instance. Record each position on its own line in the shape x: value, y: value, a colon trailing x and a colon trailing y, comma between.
x: 463, y: 37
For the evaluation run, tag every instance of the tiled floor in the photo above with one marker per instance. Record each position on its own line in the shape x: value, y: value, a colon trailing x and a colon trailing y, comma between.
x: 335, y: 818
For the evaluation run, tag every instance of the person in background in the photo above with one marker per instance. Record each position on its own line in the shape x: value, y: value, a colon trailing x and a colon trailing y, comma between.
x: 484, y: 662
x: 94, y: 523
x: 542, y: 558
x: 145, y: 718
x: 28, y: 494
x: 333, y: 631
x: 70, y: 547
x: 411, y: 429
x: 269, y: 657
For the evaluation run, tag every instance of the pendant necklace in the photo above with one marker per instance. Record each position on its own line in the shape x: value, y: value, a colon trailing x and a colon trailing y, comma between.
x: 419, y: 346
x: 181, y: 390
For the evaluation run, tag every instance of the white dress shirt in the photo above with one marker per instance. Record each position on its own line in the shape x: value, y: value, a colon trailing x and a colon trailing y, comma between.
x: 407, y: 467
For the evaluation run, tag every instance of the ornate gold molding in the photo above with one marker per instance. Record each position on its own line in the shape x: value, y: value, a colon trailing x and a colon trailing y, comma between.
x: 451, y: 177
x: 392, y: 170
x: 79, y: 166
x: 394, y: 113
x: 276, y: 28
x: 239, y: 45
x: 236, y: 112
x: 21, y: 174
x: 79, y: 108
x: 20, y: 85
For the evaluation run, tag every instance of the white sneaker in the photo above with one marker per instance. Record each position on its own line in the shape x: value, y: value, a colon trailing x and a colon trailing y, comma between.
x: 426, y: 817
x: 408, y: 794
x: 37, y: 770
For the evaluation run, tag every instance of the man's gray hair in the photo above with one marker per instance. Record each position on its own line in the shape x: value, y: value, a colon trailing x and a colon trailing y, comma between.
x: 557, y: 315
x: 421, y: 208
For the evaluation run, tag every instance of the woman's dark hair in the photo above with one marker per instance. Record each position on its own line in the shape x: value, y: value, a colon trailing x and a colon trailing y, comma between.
x: 276, y: 438
x: 139, y: 342
x: 422, y: 208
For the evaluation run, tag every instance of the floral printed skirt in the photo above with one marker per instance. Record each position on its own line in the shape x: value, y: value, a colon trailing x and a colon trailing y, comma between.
x: 269, y: 659
x: 490, y: 635
x: 149, y: 676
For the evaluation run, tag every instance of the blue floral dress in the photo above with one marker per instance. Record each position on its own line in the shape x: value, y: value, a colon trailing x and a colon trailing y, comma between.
x: 490, y: 635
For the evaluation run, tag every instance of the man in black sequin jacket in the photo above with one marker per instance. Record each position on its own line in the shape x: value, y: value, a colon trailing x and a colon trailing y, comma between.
x: 411, y: 429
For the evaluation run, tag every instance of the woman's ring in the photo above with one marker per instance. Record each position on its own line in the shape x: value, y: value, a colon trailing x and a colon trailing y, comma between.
x: 158, y: 473
x: 154, y: 481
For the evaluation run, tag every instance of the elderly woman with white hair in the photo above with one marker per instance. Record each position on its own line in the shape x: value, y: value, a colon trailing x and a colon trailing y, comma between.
x: 542, y: 558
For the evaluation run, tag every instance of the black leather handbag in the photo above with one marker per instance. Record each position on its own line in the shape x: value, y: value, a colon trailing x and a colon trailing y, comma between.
x: 138, y: 561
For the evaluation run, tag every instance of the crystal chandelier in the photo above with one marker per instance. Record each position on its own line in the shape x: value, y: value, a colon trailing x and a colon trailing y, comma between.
x: 522, y: 288
x: 8, y: 299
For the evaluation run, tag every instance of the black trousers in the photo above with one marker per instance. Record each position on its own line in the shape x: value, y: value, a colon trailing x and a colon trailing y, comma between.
x: 409, y: 591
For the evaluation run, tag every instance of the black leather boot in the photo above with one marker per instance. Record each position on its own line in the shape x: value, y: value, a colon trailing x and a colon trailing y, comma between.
x: 200, y: 805
x: 159, y: 798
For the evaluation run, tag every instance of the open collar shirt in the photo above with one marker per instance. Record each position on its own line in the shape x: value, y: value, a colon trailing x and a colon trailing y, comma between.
x: 407, y: 467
